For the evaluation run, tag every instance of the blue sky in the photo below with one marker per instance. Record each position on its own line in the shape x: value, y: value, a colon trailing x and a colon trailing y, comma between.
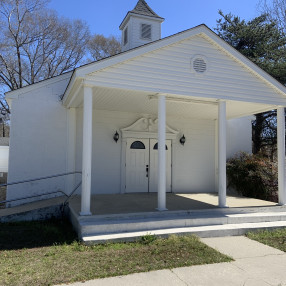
x: 105, y: 16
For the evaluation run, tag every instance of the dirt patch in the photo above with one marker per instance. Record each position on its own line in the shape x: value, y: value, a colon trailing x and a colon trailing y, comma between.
x: 2, y: 196
x: 3, y: 180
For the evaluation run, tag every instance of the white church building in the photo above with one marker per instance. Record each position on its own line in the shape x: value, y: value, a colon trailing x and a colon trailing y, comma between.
x: 162, y: 116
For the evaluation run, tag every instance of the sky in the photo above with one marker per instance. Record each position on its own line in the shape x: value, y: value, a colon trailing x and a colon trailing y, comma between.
x: 105, y: 16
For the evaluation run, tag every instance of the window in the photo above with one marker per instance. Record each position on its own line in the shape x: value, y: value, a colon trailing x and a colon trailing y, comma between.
x: 137, y: 145
x: 125, y: 36
x: 156, y: 147
x: 146, y: 31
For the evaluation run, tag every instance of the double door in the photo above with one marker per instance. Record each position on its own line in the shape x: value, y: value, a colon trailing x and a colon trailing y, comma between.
x: 142, y: 165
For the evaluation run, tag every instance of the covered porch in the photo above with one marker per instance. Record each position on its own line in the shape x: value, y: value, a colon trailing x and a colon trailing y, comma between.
x: 190, y: 85
x: 118, y: 204
x: 91, y: 100
x: 131, y: 216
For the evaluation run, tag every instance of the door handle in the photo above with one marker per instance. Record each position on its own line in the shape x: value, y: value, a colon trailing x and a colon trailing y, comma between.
x: 147, y: 171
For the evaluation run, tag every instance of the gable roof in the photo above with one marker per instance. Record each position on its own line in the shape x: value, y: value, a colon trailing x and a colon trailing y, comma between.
x: 79, y: 73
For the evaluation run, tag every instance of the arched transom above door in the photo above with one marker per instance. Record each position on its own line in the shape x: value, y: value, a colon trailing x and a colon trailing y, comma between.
x: 147, y: 128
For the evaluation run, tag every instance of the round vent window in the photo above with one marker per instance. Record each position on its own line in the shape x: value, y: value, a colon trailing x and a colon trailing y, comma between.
x: 199, y: 64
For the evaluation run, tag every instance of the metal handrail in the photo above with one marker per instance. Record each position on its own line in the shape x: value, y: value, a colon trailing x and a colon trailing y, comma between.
x: 35, y: 196
x: 69, y: 196
x: 45, y: 194
x: 39, y: 179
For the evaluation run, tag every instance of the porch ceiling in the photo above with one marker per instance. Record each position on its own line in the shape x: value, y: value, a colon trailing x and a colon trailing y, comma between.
x: 183, y: 106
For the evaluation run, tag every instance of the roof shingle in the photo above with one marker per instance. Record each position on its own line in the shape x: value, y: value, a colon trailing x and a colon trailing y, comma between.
x: 143, y: 8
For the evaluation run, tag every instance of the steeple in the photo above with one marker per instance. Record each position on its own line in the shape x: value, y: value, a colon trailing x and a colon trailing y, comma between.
x: 140, y: 26
x: 142, y: 8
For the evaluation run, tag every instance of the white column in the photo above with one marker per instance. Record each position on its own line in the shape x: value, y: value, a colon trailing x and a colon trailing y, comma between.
x: 222, y: 154
x: 162, y: 153
x: 71, y: 149
x: 216, y: 156
x: 86, y: 151
x: 281, y: 155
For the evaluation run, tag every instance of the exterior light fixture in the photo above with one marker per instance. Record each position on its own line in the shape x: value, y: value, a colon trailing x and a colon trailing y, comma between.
x: 116, y: 136
x: 183, y: 140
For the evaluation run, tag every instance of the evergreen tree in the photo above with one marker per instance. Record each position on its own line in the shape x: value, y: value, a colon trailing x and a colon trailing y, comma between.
x: 261, y: 41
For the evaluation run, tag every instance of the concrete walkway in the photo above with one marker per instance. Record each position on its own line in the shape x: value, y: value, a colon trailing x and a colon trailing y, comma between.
x: 255, y: 265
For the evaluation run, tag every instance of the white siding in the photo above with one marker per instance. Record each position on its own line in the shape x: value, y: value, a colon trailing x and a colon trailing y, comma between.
x: 193, y: 164
x: 168, y: 70
x: 38, y: 147
x: 38, y: 140
x: 4, y: 158
x: 127, y: 46
x: 239, y: 136
x: 106, y: 157
x: 134, y: 32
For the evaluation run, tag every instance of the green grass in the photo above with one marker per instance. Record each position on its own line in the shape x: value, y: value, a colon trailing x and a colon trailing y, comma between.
x: 275, y: 238
x: 48, y: 253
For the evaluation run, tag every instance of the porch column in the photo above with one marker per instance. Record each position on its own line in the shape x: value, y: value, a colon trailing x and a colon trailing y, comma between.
x: 222, y: 154
x: 281, y: 155
x: 71, y: 149
x: 162, y: 153
x: 86, y: 151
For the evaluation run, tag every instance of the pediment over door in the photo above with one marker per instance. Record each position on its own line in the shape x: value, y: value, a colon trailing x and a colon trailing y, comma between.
x: 147, y: 128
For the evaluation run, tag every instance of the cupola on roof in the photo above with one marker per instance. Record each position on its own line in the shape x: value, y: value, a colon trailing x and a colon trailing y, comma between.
x: 140, y: 26
x: 142, y: 9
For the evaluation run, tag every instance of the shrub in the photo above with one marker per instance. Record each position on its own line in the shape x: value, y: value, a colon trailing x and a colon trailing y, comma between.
x: 253, y: 176
x: 148, y: 238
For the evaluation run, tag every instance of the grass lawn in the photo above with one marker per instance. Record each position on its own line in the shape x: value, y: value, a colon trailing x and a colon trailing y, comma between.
x: 48, y: 253
x: 275, y: 238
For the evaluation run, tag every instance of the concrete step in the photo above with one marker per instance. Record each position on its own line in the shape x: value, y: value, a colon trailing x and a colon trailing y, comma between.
x: 146, y: 222
x: 181, y: 213
x: 201, y: 231
x: 104, y: 226
x: 204, y: 223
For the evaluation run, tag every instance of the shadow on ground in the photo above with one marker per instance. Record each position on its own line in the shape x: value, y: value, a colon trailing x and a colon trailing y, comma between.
x: 21, y: 235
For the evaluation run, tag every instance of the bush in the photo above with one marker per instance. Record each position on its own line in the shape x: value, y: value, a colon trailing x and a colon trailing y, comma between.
x: 148, y: 238
x: 253, y: 176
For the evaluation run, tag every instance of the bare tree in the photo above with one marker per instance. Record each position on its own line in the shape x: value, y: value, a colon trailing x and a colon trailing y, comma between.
x: 36, y: 44
x: 101, y: 47
x: 275, y: 10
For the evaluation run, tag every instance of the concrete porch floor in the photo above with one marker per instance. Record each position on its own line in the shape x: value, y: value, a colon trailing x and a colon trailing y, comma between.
x: 147, y: 202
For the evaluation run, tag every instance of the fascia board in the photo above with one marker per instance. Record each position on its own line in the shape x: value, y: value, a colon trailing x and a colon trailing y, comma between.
x: 127, y: 17
x: 69, y: 86
x: 245, y: 61
x: 26, y: 89
x: 277, y: 102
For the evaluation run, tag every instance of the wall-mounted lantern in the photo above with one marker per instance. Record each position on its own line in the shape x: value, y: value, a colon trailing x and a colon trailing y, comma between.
x: 183, y: 140
x: 116, y: 136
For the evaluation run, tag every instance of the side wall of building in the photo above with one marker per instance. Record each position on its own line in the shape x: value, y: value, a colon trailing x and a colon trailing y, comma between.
x: 239, y: 136
x: 38, y: 138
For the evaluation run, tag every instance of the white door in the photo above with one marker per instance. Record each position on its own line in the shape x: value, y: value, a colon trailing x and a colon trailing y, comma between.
x: 137, y: 163
x: 142, y: 165
x: 153, y: 178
